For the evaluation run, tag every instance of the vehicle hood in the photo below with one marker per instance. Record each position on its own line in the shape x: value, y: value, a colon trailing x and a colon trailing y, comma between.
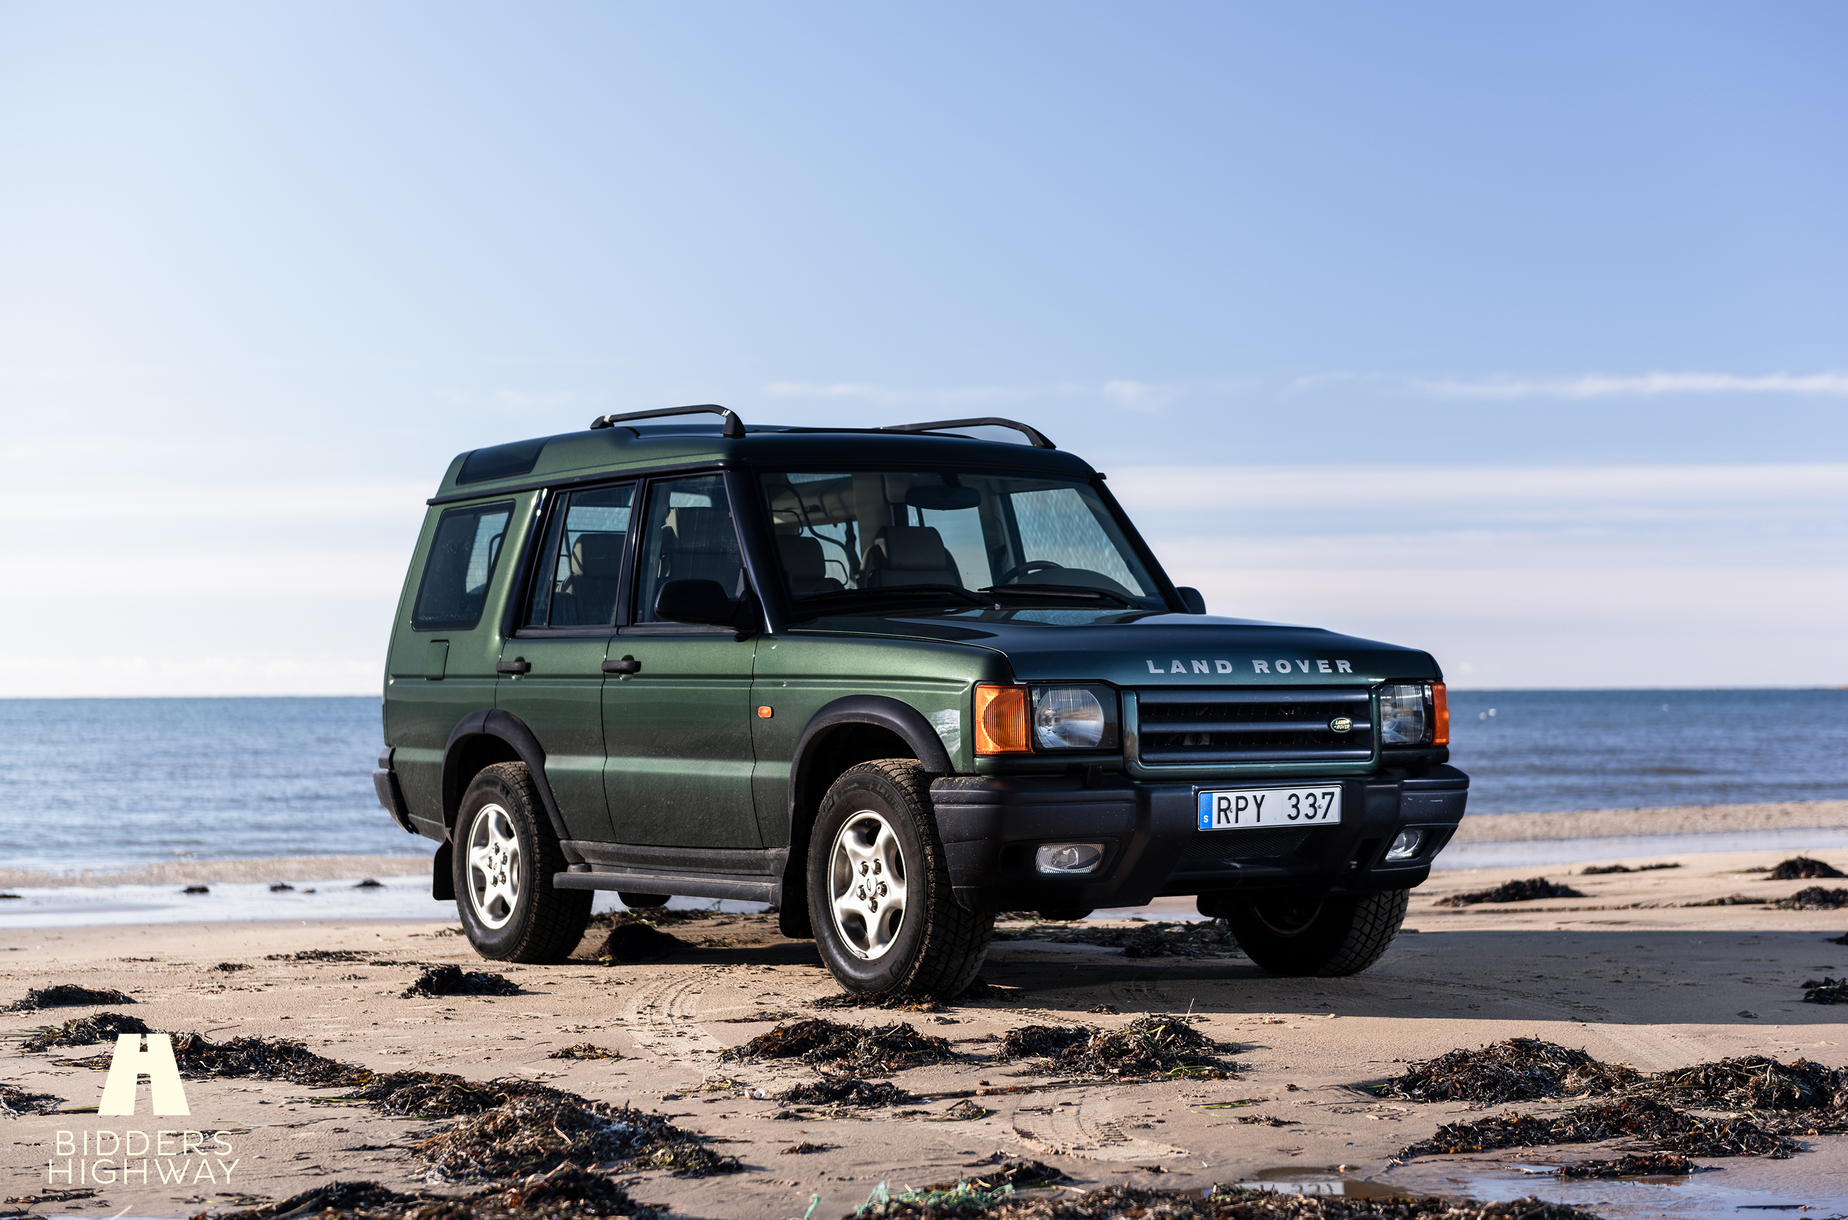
x: 1138, y: 648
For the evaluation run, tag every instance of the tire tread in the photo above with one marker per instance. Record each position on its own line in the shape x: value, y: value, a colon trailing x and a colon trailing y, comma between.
x: 556, y: 920
x: 955, y: 942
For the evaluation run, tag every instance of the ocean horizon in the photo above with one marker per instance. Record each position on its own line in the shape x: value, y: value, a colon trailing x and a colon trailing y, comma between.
x: 122, y: 782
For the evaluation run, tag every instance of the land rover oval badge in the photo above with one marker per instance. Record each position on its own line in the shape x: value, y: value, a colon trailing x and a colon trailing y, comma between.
x: 1340, y: 724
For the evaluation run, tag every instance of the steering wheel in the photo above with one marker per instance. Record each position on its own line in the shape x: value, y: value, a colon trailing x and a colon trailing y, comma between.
x: 1027, y: 569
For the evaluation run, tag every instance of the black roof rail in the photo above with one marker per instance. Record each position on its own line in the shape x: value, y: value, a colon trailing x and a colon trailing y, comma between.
x: 1034, y: 436
x: 733, y: 429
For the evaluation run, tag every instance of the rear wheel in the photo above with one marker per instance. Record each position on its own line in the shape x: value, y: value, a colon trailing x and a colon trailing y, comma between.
x: 1326, y: 936
x: 879, y: 888
x: 504, y: 857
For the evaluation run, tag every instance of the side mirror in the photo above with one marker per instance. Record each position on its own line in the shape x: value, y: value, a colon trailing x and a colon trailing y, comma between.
x: 695, y: 601
x: 1190, y: 597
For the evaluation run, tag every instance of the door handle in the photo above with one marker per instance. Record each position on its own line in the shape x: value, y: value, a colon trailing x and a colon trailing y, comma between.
x: 519, y: 665
x: 628, y: 665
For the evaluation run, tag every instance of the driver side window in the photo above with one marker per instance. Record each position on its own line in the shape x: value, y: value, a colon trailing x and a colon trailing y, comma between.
x: 688, y: 535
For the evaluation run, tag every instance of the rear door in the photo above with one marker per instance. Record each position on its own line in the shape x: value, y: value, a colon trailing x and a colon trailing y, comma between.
x: 552, y: 669
x: 678, y: 728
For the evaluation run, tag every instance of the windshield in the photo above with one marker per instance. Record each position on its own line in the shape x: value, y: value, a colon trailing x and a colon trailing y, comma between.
x: 845, y: 537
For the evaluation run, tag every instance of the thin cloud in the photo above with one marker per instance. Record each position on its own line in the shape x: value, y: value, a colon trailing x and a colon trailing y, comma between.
x: 1646, y: 385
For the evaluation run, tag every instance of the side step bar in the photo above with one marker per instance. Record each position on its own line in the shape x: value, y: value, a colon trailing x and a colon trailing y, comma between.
x: 747, y: 887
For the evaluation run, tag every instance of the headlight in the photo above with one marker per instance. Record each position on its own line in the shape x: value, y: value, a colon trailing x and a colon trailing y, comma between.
x: 1067, y: 718
x: 1414, y: 714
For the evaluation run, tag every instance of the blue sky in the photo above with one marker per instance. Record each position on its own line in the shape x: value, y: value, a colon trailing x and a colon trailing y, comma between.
x: 1515, y: 333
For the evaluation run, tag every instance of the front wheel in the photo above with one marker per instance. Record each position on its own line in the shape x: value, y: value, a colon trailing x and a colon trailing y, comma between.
x: 504, y: 857
x: 1323, y: 936
x: 879, y: 894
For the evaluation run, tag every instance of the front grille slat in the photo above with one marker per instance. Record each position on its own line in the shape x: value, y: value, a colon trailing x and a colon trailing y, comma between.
x: 1189, y: 727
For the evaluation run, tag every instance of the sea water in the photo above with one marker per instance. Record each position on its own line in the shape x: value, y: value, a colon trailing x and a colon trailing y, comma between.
x: 110, y: 783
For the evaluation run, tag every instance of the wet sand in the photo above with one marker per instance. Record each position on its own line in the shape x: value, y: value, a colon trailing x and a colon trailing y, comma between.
x: 1626, y: 972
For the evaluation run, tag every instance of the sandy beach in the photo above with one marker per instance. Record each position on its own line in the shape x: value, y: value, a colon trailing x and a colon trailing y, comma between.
x: 1628, y: 971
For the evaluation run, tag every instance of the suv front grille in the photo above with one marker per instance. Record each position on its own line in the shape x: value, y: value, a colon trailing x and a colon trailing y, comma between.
x: 1184, y: 728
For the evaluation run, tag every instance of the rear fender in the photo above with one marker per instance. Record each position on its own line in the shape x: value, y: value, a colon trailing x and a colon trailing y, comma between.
x: 496, y: 734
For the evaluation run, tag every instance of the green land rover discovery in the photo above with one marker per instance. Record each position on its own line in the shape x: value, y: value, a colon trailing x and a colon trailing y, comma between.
x: 892, y: 681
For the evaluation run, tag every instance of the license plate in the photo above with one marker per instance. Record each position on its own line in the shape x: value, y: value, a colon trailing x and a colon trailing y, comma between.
x: 1252, y: 808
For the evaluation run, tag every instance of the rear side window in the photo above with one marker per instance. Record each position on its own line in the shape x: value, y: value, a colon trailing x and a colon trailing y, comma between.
x: 462, y: 559
x: 581, y: 567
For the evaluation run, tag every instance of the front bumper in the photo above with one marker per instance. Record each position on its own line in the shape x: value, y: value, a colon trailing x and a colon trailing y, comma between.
x: 991, y: 825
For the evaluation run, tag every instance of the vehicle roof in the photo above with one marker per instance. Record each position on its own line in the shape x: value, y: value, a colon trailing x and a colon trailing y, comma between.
x: 572, y: 456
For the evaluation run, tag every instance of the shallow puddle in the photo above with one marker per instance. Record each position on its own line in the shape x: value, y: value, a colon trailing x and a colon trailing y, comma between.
x: 1712, y: 1192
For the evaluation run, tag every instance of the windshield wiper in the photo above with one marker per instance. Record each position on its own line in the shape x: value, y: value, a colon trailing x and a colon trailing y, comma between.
x: 1064, y: 591
x: 847, y: 595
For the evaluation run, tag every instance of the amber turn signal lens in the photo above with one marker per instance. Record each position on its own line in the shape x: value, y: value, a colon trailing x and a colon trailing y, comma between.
x: 765, y: 712
x: 1440, y: 715
x: 1001, y: 720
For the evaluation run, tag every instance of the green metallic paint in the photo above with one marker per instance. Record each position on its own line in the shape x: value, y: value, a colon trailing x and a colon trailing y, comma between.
x: 677, y: 736
x: 561, y: 701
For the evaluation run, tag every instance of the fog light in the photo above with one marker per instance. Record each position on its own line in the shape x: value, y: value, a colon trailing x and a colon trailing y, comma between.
x: 1405, y: 845
x: 1067, y: 859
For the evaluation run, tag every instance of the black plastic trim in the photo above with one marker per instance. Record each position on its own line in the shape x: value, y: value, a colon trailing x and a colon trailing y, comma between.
x: 493, y: 722
x: 390, y: 793
x: 707, y: 885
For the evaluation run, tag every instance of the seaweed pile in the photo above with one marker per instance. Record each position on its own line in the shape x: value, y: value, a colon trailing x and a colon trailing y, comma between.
x: 966, y: 1200
x: 1520, y: 1069
x: 1202, y: 938
x: 451, y: 979
x: 230, y: 967
x: 584, y: 1050
x: 1512, y: 891
x: 1815, y: 898
x: 1802, y: 868
x: 82, y: 1031
x: 66, y: 995
x: 1643, y: 1118
x: 1596, y: 870
x: 878, y: 1050
x: 15, y: 1101
x: 1147, y: 1047
x: 1729, y: 900
x: 899, y: 1001
x: 564, y: 1192
x: 1825, y: 990
x: 1755, y: 1082
x: 831, y: 1090
x: 507, y: 1128
x: 267, y: 1058
x: 318, y: 955
x: 547, y: 1129
x: 1631, y: 1166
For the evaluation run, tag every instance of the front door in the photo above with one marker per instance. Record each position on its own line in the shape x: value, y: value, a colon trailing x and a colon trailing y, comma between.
x: 551, y: 671
x: 677, y: 729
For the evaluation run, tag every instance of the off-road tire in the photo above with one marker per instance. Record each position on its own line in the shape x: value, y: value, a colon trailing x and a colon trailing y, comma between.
x: 1325, y: 937
x: 546, y: 924
x: 940, y: 945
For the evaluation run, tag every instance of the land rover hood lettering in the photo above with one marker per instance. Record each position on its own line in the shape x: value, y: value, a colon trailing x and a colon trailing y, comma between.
x: 1219, y: 666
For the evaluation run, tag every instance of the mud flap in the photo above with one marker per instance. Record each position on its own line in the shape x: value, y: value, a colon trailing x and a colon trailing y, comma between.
x: 442, y: 873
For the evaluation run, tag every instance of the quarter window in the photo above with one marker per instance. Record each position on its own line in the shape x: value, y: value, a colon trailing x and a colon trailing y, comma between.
x: 463, y: 556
